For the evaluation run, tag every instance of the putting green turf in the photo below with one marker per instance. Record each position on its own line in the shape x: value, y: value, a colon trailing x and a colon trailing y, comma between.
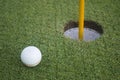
x: 41, y: 23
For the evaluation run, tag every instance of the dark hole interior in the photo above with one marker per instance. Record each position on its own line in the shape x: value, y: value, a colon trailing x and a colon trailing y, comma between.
x: 87, y: 24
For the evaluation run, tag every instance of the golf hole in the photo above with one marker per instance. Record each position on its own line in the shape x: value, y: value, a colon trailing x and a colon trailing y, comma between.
x: 92, y: 30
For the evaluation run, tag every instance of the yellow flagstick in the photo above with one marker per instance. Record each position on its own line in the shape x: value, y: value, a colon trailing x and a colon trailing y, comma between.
x: 81, y: 20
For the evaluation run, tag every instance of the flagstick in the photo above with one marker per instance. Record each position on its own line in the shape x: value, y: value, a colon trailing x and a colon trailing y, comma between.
x: 81, y: 20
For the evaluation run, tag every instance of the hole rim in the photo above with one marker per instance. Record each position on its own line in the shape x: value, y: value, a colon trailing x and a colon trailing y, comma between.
x: 87, y: 24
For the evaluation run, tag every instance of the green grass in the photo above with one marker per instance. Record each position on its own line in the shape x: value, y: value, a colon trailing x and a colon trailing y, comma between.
x: 41, y: 23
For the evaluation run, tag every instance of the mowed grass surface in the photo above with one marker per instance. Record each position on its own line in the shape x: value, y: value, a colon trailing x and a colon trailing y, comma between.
x: 41, y: 22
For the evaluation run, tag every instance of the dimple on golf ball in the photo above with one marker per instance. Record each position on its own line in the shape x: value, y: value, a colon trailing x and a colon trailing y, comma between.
x: 31, y: 56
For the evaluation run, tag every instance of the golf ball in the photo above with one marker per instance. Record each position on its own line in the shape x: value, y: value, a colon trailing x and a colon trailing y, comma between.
x: 31, y: 56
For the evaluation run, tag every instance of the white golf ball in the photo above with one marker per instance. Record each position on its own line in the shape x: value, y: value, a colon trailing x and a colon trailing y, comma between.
x: 31, y: 56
